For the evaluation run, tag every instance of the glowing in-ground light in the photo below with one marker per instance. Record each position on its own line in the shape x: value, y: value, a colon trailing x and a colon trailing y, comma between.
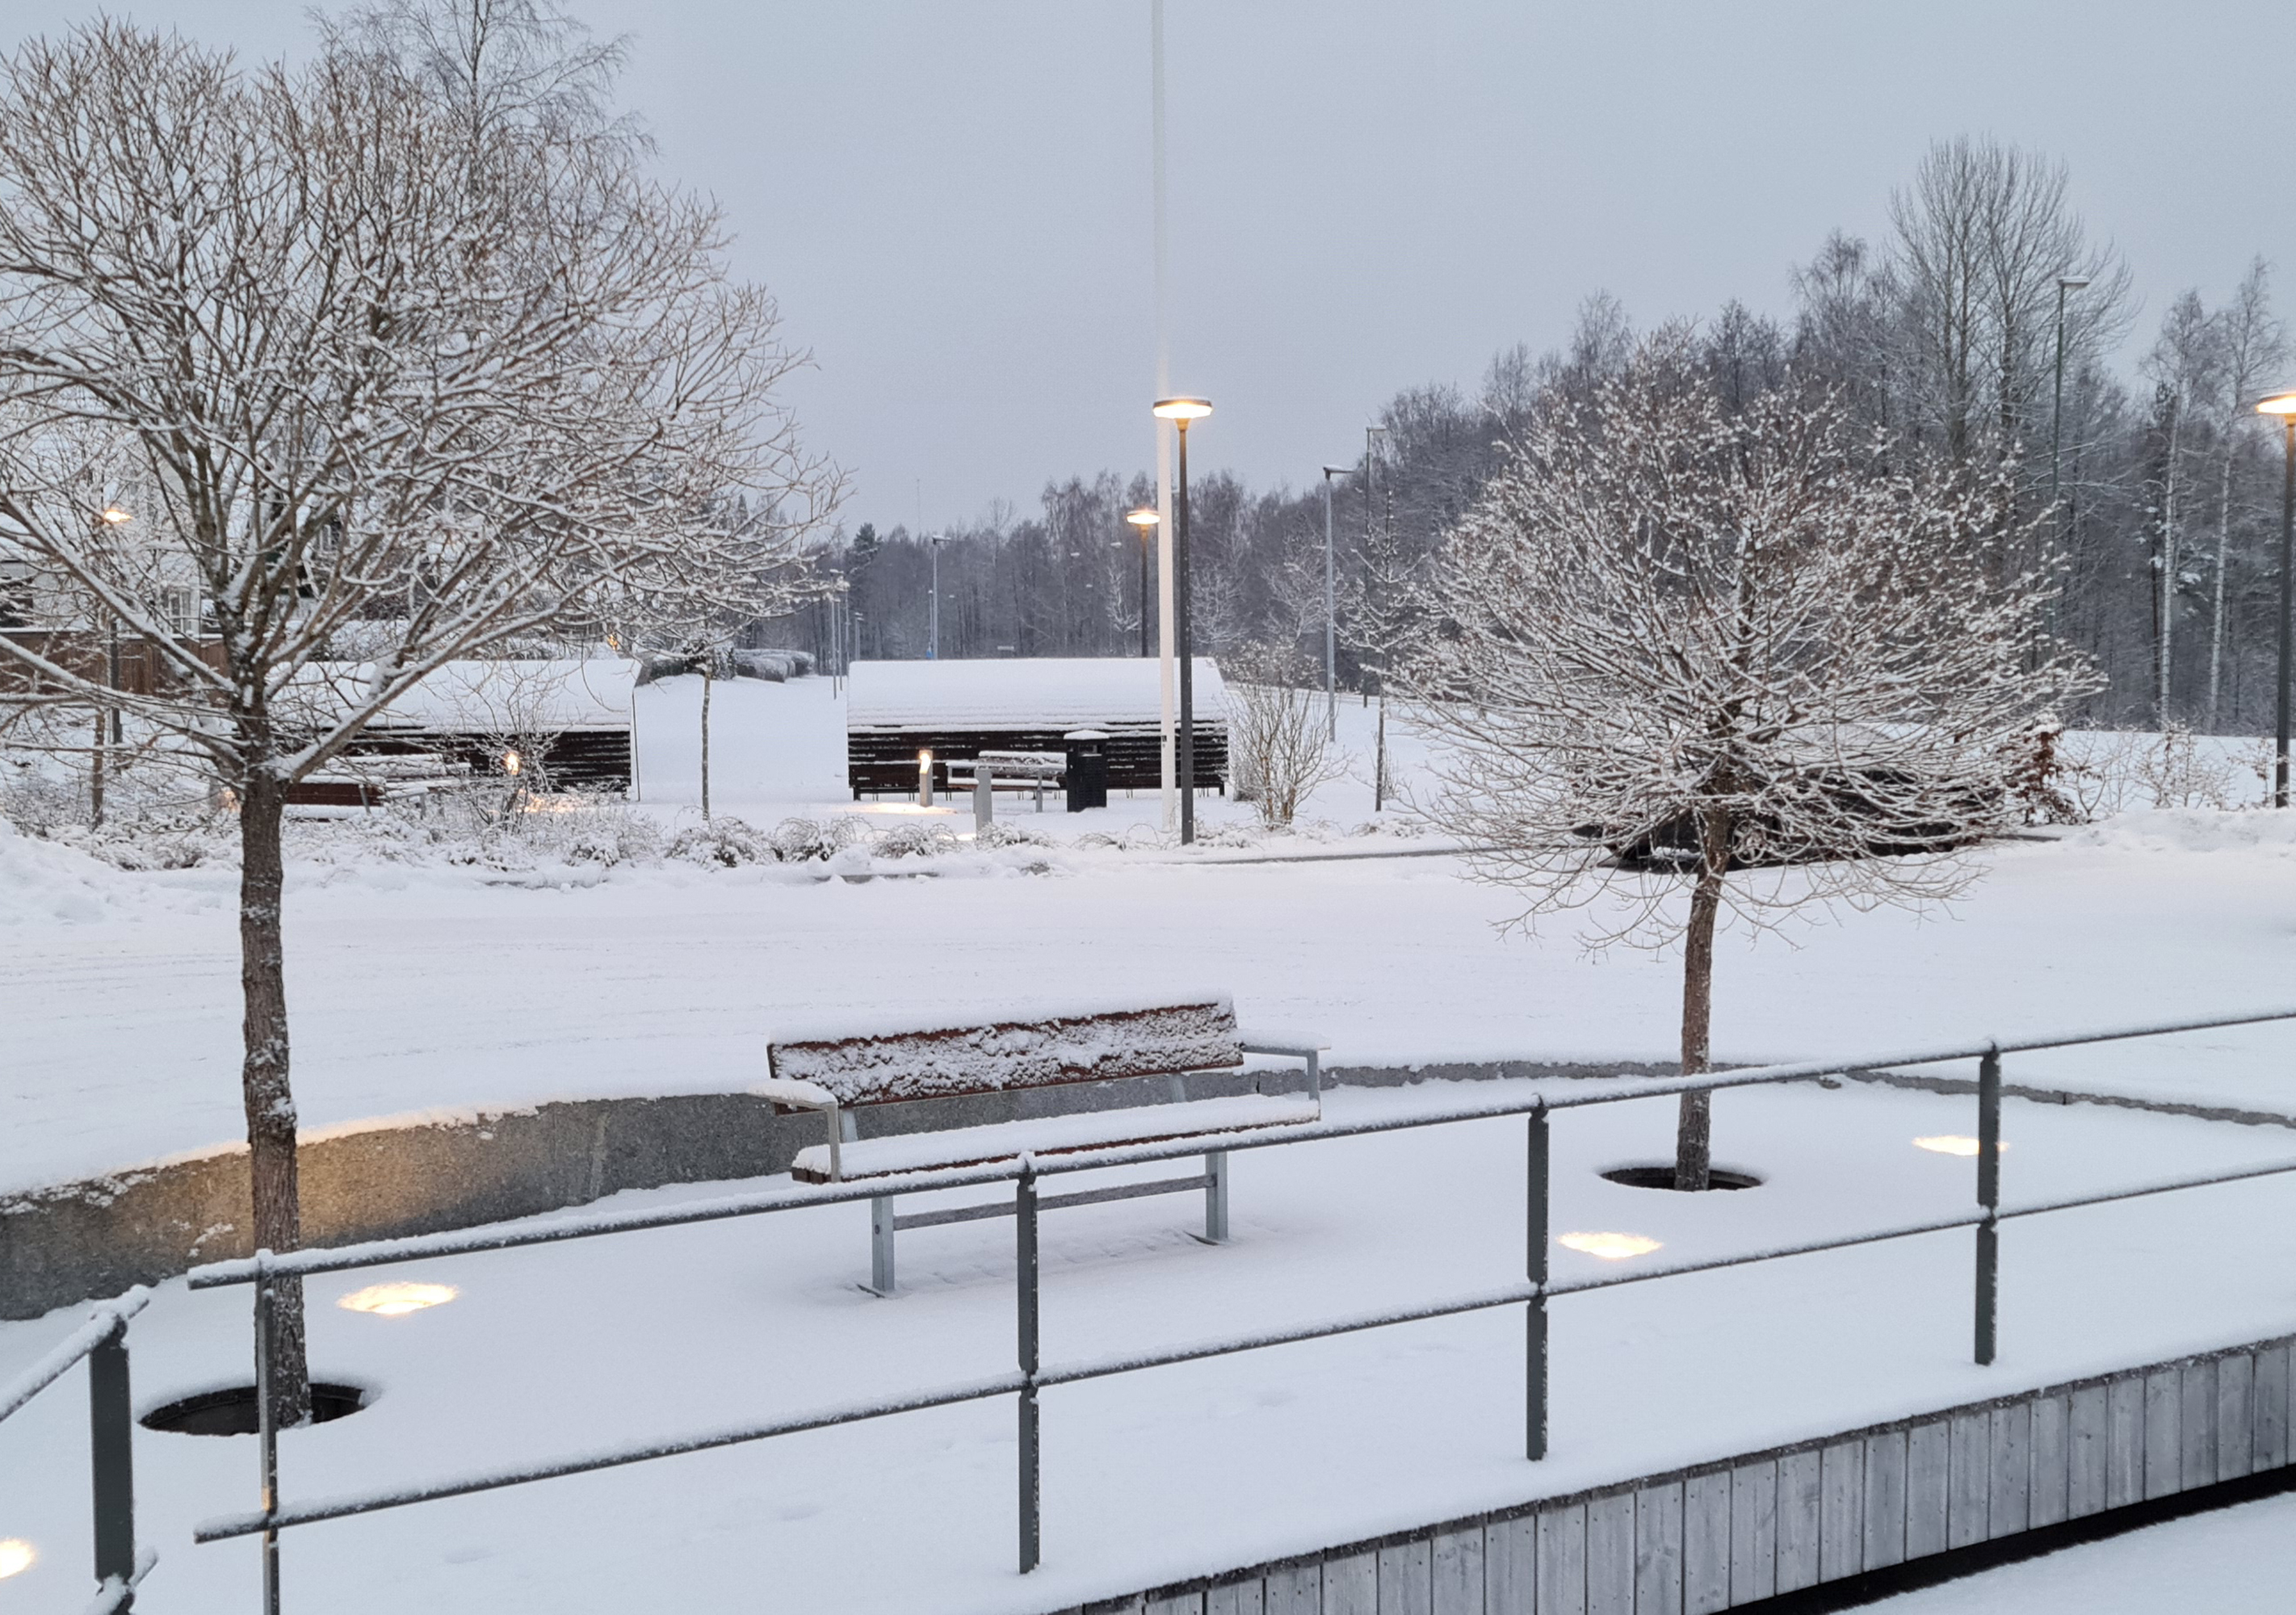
x: 1609, y: 1247
x: 394, y: 1300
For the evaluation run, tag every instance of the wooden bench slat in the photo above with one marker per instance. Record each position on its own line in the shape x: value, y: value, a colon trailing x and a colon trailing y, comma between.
x: 1005, y: 1056
x: 1051, y: 1136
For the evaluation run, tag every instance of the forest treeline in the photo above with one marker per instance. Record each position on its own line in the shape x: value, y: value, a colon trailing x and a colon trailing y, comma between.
x: 2151, y: 494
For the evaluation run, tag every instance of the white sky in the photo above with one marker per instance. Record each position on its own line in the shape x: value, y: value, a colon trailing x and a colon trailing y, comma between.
x: 952, y: 201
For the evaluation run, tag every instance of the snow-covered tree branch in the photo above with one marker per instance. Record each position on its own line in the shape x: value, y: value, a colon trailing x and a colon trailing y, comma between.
x: 1721, y: 663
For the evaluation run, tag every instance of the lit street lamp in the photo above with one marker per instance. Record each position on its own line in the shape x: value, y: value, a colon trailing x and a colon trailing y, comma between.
x: 1145, y: 519
x: 2284, y: 404
x: 1330, y: 612
x: 1180, y: 412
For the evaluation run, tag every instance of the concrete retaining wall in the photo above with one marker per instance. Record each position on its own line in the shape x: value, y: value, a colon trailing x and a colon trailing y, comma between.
x: 71, y: 1242
x: 1723, y: 1535
x: 75, y: 1242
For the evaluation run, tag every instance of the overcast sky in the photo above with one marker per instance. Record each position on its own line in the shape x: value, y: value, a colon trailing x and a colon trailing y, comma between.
x: 952, y: 201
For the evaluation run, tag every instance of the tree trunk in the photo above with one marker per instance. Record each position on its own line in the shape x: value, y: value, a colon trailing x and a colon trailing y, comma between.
x: 2217, y: 599
x: 95, y: 776
x: 1693, y: 1134
x: 269, y: 1099
x: 706, y: 681
x: 1379, y: 763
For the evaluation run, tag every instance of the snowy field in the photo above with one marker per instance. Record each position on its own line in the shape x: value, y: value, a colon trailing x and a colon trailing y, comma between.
x: 425, y: 987
x: 428, y: 987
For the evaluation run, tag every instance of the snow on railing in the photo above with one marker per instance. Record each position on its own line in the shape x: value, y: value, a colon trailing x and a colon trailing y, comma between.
x: 1532, y: 1292
x: 101, y: 1342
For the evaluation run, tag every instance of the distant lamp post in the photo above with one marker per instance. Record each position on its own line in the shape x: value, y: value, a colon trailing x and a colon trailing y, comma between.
x: 1180, y: 412
x: 1330, y: 612
x: 2283, y: 405
x: 932, y: 652
x: 2065, y: 283
x: 1145, y: 519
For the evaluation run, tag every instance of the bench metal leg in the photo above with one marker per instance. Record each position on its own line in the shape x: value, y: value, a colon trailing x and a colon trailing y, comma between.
x: 1215, y: 1197
x: 881, y: 1244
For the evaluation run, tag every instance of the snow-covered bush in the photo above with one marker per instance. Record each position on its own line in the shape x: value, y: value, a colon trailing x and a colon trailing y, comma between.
x: 1278, y: 735
x: 727, y: 842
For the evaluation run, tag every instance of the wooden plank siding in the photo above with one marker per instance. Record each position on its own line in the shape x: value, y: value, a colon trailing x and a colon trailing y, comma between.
x: 1722, y: 1535
x: 885, y: 760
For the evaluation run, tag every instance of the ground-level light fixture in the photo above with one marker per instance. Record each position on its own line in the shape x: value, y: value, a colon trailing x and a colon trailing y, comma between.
x: 398, y: 1299
x: 1950, y: 1143
x: 924, y: 779
x: 16, y: 1556
x: 1609, y: 1247
x: 510, y: 762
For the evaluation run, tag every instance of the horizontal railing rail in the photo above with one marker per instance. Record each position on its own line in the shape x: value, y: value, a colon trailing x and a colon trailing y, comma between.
x: 1032, y: 1376
x: 102, y: 1343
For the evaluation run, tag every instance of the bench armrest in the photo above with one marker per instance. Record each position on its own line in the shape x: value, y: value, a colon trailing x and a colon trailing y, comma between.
x: 1291, y: 1047
x: 809, y: 1097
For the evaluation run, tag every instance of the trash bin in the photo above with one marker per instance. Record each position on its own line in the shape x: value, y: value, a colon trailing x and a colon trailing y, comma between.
x: 1086, y: 774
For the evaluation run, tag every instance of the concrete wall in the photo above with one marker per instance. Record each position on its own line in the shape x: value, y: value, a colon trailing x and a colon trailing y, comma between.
x: 75, y: 1242
x: 71, y: 1242
x: 1723, y: 1535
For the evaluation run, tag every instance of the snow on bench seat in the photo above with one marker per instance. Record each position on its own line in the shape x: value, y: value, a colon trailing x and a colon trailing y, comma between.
x: 1052, y: 1135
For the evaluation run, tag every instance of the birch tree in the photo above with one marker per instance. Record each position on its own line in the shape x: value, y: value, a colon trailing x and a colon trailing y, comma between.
x: 1689, y: 663
x: 370, y: 358
x: 2252, y: 348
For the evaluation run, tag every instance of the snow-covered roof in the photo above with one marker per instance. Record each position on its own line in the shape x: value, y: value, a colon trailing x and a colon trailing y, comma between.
x: 1032, y: 692
x: 494, y: 697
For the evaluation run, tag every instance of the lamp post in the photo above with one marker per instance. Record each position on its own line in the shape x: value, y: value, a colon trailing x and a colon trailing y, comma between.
x: 1179, y: 412
x: 1330, y: 612
x: 107, y: 715
x: 2283, y: 405
x: 932, y: 652
x: 2065, y: 283
x: 1145, y: 519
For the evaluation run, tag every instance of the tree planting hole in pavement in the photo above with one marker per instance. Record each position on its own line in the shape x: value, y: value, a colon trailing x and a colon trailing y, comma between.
x: 231, y: 1411
x: 1661, y: 1177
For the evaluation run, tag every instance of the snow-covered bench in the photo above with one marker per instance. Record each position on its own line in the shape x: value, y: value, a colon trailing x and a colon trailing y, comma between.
x: 1009, y: 771
x: 841, y: 1073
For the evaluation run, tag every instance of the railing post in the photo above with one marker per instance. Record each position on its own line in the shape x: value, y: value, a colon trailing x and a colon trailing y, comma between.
x: 1024, y: 1237
x: 267, y: 1428
x: 1988, y: 1197
x: 1534, y: 1321
x: 110, y: 1437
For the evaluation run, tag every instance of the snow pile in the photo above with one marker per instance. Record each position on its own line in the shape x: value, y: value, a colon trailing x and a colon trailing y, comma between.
x: 2193, y: 829
x: 42, y: 880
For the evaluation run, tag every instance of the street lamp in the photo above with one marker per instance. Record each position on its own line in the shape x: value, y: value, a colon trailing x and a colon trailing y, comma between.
x: 933, y: 652
x: 1331, y: 610
x: 1179, y: 412
x: 1145, y: 519
x: 2065, y: 283
x: 2284, y: 404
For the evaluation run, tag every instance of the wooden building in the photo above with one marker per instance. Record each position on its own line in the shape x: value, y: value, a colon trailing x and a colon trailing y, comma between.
x: 957, y: 709
x: 564, y: 725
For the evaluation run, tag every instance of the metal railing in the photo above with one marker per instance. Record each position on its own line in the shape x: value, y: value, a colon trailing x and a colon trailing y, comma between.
x: 103, y: 1342
x: 1031, y: 1375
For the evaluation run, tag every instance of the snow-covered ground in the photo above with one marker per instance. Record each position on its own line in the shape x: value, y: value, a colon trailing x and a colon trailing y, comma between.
x: 1173, y: 1471
x: 417, y: 985
x: 2238, y: 1560
x: 420, y: 986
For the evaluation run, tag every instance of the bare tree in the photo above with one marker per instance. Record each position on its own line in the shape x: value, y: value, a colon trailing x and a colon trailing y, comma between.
x: 2252, y: 345
x: 1983, y: 232
x: 1276, y: 730
x: 1683, y: 654
x: 2185, y: 375
x: 368, y: 359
